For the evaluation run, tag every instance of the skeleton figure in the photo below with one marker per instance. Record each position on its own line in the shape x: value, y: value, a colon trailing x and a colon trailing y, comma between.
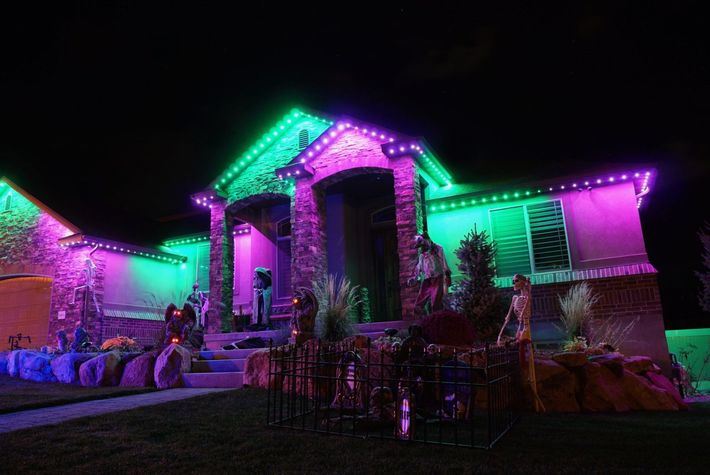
x: 433, y: 272
x: 89, y: 276
x: 262, y: 296
x: 197, y: 300
x: 520, y: 306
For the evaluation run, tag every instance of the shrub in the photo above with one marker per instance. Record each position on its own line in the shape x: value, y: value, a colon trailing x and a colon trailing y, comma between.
x: 576, y: 307
x: 609, y: 332
x: 476, y: 295
x: 448, y: 328
x: 336, y: 300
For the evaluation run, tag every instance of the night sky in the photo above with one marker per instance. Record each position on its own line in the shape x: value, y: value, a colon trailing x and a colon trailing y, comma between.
x: 114, y: 114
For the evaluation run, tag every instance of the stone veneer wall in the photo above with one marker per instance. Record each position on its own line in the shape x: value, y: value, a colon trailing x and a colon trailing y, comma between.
x: 625, y: 298
x: 221, y: 265
x: 28, y: 244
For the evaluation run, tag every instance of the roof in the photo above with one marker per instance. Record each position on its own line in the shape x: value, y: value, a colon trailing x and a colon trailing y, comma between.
x: 4, y: 181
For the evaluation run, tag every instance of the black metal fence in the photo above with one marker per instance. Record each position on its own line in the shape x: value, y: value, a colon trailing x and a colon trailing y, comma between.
x: 442, y: 396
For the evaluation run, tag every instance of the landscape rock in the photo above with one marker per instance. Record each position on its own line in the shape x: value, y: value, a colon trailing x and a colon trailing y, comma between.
x: 559, y: 393
x: 613, y: 361
x: 602, y: 390
x: 139, y: 372
x: 15, y: 360
x: 570, y: 359
x: 169, y: 366
x: 66, y: 367
x: 643, y: 395
x: 103, y: 370
x: 3, y: 361
x: 37, y: 367
x: 547, y: 369
x: 638, y: 364
x: 256, y: 371
x: 662, y: 382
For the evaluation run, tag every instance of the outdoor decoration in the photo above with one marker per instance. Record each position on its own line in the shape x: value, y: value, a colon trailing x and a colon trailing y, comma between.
x: 89, y: 273
x: 348, y: 394
x: 198, y: 300
x: 179, y: 326
x: 262, y: 296
x: 406, y: 415
x: 62, y: 342
x: 304, y: 311
x: 81, y: 341
x: 121, y: 343
x: 433, y: 273
x: 520, y: 305
x: 382, y: 404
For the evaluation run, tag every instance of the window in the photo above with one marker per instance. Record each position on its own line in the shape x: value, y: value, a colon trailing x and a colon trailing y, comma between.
x: 303, y: 139
x: 203, y: 267
x: 530, y: 238
x: 8, y: 202
x: 283, y: 258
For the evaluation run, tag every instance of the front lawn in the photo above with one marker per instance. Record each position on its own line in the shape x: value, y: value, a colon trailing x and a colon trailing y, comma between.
x: 17, y: 394
x: 226, y: 433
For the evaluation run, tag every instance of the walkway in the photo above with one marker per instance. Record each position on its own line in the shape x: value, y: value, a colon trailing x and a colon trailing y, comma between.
x: 55, y: 415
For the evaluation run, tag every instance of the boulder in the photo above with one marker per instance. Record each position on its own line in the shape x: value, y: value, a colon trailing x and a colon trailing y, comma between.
x: 256, y: 371
x: 169, y: 366
x: 559, y: 393
x: 546, y: 369
x: 15, y: 360
x: 662, y: 382
x: 3, y: 361
x: 602, y: 390
x: 66, y: 367
x: 37, y: 367
x: 613, y: 361
x: 644, y: 396
x: 570, y: 359
x: 638, y: 364
x: 140, y: 371
x: 103, y: 370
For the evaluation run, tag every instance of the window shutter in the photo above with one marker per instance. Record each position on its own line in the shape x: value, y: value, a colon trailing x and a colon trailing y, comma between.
x: 547, y: 233
x: 509, y: 232
x: 203, y: 267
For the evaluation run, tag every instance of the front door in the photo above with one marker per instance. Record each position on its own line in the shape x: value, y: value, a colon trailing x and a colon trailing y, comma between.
x: 385, y: 302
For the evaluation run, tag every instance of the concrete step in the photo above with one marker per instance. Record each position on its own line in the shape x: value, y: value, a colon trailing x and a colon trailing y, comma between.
x: 218, y: 366
x: 381, y: 326
x: 213, y: 380
x: 226, y: 354
x: 216, y: 341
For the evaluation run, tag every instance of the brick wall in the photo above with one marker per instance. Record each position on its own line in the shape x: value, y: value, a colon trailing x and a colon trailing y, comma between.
x: 145, y: 332
x: 620, y: 298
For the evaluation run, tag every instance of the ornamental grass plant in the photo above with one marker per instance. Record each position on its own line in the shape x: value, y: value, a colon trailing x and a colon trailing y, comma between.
x: 576, y: 308
x: 337, y: 298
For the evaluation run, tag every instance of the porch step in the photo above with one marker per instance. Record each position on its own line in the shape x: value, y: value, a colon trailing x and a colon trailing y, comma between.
x: 218, y: 366
x: 214, y: 380
x: 225, y: 354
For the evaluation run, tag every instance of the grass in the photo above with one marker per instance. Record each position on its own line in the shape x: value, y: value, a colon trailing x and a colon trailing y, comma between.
x: 225, y: 433
x: 17, y: 394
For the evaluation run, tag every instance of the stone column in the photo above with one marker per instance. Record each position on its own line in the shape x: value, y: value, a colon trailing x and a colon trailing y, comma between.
x: 410, y: 221
x: 221, y: 266
x: 309, y: 255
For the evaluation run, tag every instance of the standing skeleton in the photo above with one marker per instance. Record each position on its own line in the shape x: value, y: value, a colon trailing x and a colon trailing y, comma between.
x: 521, y: 307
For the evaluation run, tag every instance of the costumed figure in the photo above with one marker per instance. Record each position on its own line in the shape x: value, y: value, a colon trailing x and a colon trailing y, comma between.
x: 303, y: 317
x: 62, y: 341
x: 81, y: 341
x: 197, y: 300
x: 262, y: 296
x: 179, y: 324
x: 520, y: 305
x: 433, y: 273
x: 89, y: 277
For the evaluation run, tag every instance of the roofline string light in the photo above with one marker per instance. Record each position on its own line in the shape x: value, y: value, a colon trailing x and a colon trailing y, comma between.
x: 425, y: 157
x: 642, y: 179
x: 238, y: 230
x: 109, y: 245
x: 263, y: 144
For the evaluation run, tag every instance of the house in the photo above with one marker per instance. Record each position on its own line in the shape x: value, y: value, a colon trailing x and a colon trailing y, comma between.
x: 318, y: 194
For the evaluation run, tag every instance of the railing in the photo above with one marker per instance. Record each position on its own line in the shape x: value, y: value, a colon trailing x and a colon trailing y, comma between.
x: 442, y: 396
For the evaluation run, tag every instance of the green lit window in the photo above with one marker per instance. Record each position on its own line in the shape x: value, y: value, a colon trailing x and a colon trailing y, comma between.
x: 8, y: 202
x: 530, y: 239
x: 283, y: 258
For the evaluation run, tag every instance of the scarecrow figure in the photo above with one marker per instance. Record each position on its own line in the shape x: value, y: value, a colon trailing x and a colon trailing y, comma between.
x: 262, y: 296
